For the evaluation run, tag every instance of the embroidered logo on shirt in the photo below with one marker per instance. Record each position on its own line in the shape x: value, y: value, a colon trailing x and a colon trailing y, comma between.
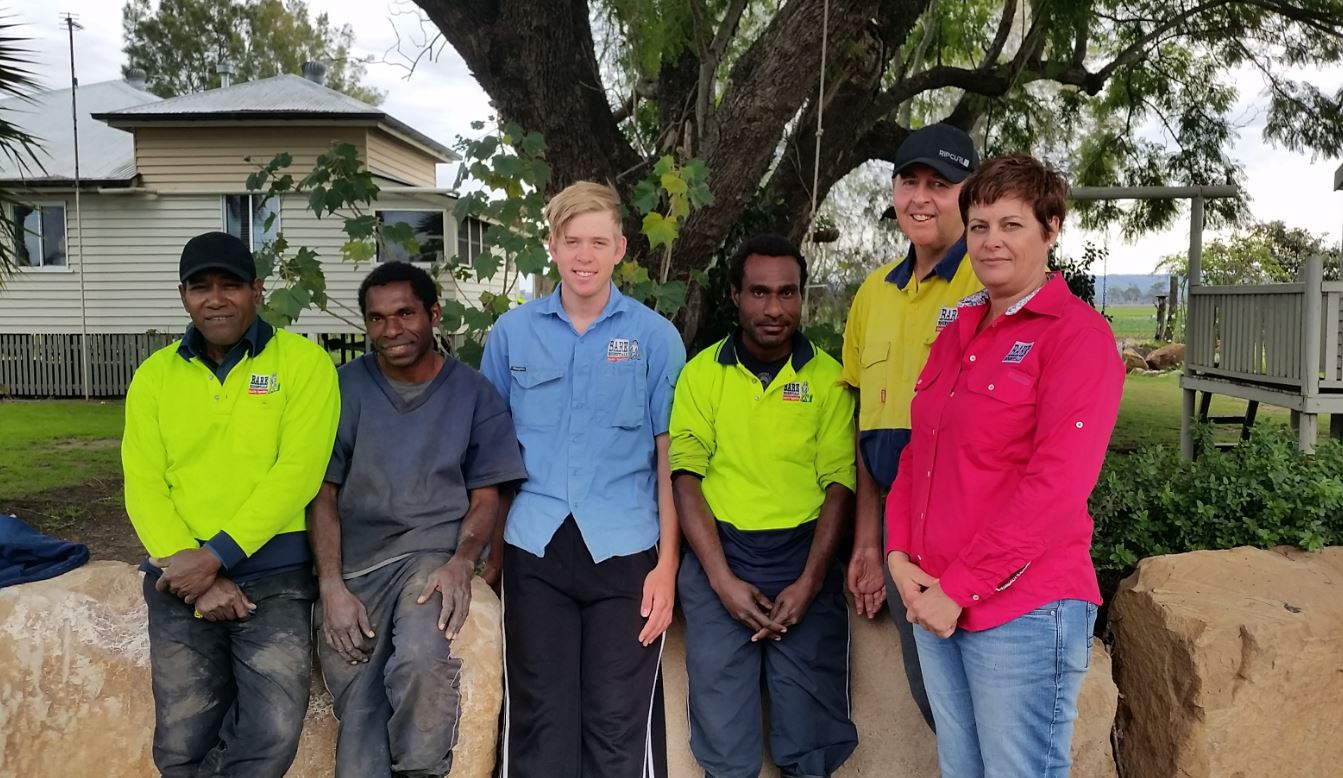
x: 263, y: 384
x: 945, y: 316
x: 1017, y: 353
x: 797, y: 392
x: 621, y: 349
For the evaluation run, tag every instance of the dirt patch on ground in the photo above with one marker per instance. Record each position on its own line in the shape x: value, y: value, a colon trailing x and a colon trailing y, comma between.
x: 86, y: 444
x: 91, y: 513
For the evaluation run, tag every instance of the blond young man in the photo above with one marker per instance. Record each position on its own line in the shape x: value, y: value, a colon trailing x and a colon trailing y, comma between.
x: 590, y: 544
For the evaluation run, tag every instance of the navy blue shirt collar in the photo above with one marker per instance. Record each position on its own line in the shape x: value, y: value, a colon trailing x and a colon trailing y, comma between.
x: 946, y: 267
x: 253, y: 340
x: 803, y: 351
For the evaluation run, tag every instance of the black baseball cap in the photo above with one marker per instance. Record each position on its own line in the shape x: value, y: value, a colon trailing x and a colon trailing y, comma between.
x: 944, y: 148
x: 217, y: 251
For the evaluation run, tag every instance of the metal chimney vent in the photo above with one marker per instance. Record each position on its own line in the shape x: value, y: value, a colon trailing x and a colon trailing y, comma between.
x: 137, y: 78
x: 314, y: 72
x: 225, y: 71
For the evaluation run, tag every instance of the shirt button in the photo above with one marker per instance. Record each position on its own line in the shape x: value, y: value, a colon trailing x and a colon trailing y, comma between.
x: 953, y: 394
x: 975, y: 597
x: 934, y: 430
x: 972, y: 357
x: 757, y: 397
x: 919, y: 557
x: 1079, y: 425
x: 216, y: 397
x: 930, y: 474
x: 990, y: 387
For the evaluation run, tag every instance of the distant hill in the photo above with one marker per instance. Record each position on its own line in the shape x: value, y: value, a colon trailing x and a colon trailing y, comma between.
x: 1130, y: 289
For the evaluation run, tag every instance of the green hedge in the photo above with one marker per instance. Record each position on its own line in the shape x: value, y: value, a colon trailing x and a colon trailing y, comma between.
x: 1262, y: 493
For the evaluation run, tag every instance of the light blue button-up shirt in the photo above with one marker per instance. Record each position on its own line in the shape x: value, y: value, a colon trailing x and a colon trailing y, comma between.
x: 587, y: 409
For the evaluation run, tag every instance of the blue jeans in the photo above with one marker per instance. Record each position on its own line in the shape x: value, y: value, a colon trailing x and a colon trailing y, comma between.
x: 1005, y: 698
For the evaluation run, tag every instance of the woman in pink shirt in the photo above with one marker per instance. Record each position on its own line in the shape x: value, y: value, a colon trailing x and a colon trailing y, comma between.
x: 988, y: 535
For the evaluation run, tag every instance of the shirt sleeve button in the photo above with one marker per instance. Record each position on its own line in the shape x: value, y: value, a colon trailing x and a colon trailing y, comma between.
x: 975, y: 597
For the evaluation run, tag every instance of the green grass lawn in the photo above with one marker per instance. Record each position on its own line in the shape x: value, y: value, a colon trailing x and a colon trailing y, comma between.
x: 1132, y: 322
x: 52, y: 444
x: 1150, y: 413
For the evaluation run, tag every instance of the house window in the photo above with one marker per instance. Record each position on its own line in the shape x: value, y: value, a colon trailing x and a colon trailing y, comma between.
x: 470, y: 239
x: 41, y: 239
x: 245, y: 218
x: 428, y: 229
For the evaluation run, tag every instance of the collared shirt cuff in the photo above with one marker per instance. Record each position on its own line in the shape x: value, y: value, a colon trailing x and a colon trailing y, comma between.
x: 963, y: 588
x: 226, y: 549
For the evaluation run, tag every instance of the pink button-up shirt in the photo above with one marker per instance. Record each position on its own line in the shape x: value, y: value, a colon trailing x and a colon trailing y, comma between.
x: 1010, y: 428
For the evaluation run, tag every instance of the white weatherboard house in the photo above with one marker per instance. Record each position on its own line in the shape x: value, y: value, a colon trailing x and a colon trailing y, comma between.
x: 154, y: 173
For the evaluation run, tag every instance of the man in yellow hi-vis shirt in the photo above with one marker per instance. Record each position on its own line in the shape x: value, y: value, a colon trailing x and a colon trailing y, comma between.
x: 896, y: 315
x: 228, y: 434
x: 762, y: 464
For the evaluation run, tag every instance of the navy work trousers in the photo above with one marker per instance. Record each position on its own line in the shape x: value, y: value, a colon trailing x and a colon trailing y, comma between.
x: 806, y: 675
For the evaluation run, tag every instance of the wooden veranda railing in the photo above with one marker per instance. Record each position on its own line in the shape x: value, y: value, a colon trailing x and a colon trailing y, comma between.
x: 1276, y: 343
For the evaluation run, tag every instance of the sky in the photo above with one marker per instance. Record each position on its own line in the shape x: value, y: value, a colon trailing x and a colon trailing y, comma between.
x: 442, y: 99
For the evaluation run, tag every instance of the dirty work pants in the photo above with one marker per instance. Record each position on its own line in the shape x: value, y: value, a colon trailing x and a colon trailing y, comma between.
x: 806, y: 675
x: 398, y: 711
x: 580, y: 689
x: 230, y: 696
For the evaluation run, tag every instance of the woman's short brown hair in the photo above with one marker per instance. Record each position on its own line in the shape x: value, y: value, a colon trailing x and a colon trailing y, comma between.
x: 1023, y: 177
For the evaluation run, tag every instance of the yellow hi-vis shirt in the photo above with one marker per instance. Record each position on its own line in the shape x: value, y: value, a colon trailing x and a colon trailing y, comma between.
x: 892, y: 324
x: 230, y: 465
x: 766, y: 455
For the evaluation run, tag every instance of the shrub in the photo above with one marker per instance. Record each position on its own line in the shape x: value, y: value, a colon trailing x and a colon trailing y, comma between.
x: 1263, y: 493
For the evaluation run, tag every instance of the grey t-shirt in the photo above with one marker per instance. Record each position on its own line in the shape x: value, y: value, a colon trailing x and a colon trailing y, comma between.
x: 405, y: 467
x: 409, y: 391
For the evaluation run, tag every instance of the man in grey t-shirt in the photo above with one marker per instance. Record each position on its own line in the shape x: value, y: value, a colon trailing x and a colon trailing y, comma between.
x: 408, y: 503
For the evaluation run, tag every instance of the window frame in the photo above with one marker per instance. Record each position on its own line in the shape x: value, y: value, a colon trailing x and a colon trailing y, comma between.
x: 39, y: 205
x: 251, y: 196
x: 476, y: 247
x: 377, y: 216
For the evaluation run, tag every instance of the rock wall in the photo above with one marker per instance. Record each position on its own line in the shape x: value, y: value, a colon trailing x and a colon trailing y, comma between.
x: 74, y: 691
x: 893, y: 741
x: 1231, y: 664
x: 74, y: 682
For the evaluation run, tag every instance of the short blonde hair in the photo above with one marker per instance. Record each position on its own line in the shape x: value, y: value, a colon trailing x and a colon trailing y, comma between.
x: 580, y: 198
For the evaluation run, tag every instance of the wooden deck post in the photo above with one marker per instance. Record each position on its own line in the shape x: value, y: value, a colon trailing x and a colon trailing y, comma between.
x: 1312, y: 329
x: 1193, y: 281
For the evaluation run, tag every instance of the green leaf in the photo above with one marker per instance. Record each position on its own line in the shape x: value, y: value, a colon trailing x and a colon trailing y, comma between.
x: 670, y: 297
x: 646, y: 196
x: 470, y: 352
x: 486, y: 264
x: 362, y: 250
x: 673, y: 183
x: 317, y: 200
x: 659, y: 230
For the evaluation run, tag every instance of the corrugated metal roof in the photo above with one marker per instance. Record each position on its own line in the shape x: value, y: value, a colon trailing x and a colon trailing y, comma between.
x: 107, y: 154
x: 279, y: 97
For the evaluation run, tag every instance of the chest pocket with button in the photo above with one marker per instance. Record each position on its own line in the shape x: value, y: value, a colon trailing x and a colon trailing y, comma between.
x: 1007, y: 396
x: 623, y: 392
x: 536, y: 395
x: 873, y: 379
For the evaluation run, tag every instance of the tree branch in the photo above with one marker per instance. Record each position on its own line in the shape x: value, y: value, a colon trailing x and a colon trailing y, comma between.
x: 1000, y: 39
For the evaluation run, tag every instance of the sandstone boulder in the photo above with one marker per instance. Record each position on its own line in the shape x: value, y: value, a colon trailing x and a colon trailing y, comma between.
x: 1133, y: 360
x: 893, y: 740
x: 1231, y: 664
x: 74, y: 682
x: 1167, y: 357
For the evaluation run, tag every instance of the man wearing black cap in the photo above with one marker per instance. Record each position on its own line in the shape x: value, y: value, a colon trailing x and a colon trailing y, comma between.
x: 896, y: 315
x: 228, y: 433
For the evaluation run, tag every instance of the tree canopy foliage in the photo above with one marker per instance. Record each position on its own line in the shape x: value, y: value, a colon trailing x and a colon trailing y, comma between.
x: 179, y: 44
x: 1263, y: 253
x: 614, y: 85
